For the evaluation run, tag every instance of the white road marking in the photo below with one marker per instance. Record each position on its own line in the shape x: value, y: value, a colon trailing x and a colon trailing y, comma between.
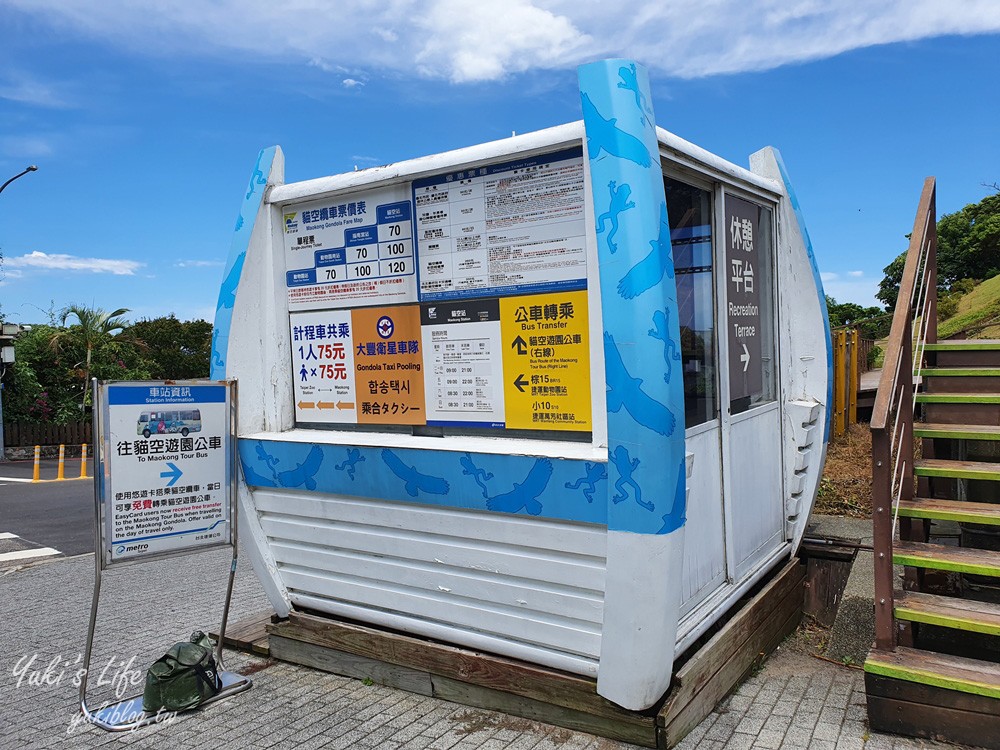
x: 8, y: 535
x: 14, y: 479
x: 27, y: 553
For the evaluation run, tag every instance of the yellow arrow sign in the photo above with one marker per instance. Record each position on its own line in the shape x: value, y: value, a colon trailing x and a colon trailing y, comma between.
x: 307, y: 405
x: 326, y: 405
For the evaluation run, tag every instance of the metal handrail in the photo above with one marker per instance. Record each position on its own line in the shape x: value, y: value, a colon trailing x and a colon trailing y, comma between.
x: 892, y: 415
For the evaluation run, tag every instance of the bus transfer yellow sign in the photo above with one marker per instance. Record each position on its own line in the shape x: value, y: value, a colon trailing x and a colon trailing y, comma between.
x: 546, y: 361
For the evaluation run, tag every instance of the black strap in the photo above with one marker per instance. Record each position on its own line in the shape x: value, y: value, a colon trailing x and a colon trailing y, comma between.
x: 215, y: 684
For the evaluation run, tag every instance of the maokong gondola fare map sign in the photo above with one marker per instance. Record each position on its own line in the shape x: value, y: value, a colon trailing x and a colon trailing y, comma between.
x: 166, y: 475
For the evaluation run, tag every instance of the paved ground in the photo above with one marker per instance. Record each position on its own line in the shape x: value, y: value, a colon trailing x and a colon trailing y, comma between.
x: 52, y: 515
x: 796, y: 701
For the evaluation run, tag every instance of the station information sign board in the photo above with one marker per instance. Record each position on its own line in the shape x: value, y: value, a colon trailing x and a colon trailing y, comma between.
x: 457, y: 300
x: 165, y: 480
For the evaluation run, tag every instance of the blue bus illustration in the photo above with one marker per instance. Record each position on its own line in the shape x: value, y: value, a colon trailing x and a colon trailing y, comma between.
x: 165, y: 422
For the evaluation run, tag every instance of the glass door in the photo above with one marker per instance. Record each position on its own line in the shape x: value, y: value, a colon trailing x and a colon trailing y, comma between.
x: 751, y: 424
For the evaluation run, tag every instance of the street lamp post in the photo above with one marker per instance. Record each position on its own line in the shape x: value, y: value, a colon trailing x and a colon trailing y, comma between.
x: 31, y: 168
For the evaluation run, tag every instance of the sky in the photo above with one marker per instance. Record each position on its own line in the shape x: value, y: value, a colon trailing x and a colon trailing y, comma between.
x: 145, y: 119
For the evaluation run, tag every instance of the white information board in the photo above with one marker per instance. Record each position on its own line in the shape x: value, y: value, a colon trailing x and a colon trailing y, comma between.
x: 463, y: 362
x: 350, y: 251
x: 502, y: 229
x: 323, y: 367
x: 166, y: 468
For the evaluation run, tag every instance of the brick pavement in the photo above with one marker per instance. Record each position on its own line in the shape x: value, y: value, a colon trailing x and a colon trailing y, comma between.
x: 794, y: 702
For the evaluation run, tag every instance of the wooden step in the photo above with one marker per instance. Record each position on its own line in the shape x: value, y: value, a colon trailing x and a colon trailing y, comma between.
x: 959, y: 372
x: 958, y: 398
x: 938, y: 670
x: 941, y: 557
x: 939, y: 467
x: 961, y: 345
x: 956, y: 431
x: 948, y: 612
x: 950, y: 510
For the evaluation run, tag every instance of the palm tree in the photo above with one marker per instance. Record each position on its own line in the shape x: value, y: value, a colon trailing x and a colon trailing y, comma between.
x: 93, y: 325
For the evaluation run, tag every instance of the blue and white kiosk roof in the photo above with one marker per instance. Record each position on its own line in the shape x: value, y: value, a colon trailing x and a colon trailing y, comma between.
x: 562, y: 397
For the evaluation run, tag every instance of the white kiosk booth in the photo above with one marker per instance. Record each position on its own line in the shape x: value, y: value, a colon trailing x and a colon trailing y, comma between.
x: 561, y: 397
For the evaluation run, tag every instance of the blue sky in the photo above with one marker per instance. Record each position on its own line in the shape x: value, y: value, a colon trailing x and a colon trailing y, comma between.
x: 145, y: 123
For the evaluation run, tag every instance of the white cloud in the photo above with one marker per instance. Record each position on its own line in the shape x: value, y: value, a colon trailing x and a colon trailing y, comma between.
x: 23, y: 88
x: 25, y: 147
x: 471, y: 40
x: 829, y: 276
x: 63, y: 262
x: 856, y: 274
x: 199, y: 263
x: 350, y: 83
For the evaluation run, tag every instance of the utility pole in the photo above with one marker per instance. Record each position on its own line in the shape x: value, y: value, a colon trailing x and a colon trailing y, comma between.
x: 7, y: 334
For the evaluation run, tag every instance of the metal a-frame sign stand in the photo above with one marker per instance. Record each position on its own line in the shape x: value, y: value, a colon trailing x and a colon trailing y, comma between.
x: 148, y: 436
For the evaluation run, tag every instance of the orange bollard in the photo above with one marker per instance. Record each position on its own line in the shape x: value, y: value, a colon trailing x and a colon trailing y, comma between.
x: 62, y: 462
x: 38, y: 464
x: 83, y: 462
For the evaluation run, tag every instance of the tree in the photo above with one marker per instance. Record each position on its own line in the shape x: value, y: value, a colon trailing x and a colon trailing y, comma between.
x: 872, y: 322
x: 176, y: 350
x: 888, y: 287
x: 968, y: 248
x: 94, y: 331
x: 41, y: 387
x: 969, y: 242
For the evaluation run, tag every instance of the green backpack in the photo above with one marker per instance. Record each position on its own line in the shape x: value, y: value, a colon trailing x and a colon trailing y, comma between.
x: 184, y: 677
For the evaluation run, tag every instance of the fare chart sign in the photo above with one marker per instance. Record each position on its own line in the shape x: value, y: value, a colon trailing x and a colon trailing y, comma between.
x: 166, y: 475
x: 458, y: 300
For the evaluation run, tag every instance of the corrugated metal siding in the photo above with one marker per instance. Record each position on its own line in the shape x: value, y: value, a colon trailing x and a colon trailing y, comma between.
x: 528, y: 588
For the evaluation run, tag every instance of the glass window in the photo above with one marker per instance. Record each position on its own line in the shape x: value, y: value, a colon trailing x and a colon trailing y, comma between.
x: 689, y: 210
x: 749, y: 304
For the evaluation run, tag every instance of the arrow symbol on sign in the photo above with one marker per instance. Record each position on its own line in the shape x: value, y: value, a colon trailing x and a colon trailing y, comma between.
x: 345, y: 404
x: 174, y: 474
x: 520, y: 383
x: 326, y: 405
x: 307, y: 405
x: 520, y: 344
x: 745, y: 357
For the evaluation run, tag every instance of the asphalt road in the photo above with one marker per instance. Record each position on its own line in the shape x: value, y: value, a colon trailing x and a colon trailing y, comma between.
x: 48, y: 515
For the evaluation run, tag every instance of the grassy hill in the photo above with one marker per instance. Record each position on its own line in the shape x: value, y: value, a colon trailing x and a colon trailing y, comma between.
x: 978, y: 314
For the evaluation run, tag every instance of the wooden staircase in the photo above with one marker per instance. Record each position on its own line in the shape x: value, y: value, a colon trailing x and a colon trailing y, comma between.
x: 934, y: 671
